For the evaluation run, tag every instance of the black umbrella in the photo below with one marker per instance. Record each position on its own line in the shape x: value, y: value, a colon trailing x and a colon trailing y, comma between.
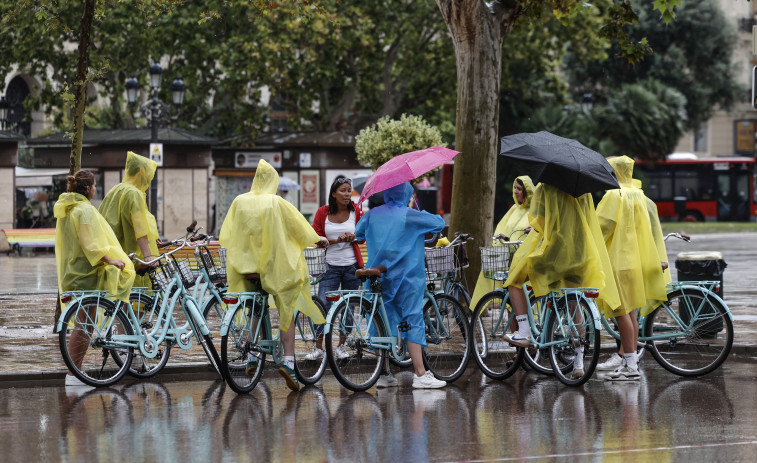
x: 561, y: 162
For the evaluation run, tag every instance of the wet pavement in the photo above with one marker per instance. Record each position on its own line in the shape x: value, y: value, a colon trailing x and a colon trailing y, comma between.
x: 185, y: 413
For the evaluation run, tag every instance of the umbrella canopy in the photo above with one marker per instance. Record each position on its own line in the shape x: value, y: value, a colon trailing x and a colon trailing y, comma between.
x: 561, y: 162
x: 287, y: 184
x: 406, y: 167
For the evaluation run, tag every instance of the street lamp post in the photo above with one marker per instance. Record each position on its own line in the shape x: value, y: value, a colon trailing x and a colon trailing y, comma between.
x: 155, y: 110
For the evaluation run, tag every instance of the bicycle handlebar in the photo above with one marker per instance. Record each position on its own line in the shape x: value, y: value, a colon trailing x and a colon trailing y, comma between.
x: 192, y: 235
x: 680, y: 236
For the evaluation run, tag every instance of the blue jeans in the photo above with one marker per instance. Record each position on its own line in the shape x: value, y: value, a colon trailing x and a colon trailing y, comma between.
x: 334, y: 277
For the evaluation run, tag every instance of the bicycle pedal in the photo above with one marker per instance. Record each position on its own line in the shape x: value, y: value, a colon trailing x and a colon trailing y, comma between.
x: 404, y: 327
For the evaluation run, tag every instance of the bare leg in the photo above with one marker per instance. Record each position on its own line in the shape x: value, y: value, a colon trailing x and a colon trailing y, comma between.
x: 518, y: 300
x: 287, y: 338
x: 626, y: 329
x: 416, y: 354
x: 78, y: 342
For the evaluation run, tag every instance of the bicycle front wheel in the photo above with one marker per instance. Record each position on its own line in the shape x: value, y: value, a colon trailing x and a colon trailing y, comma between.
x: 308, y: 371
x: 146, y: 311
x: 570, y: 327
x: 86, y: 344
x: 447, y: 338
x: 242, y: 361
x: 497, y: 358
x: 360, y: 367
x: 696, y: 331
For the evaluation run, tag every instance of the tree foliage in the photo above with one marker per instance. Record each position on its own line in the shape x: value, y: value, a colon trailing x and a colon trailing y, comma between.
x: 388, y: 138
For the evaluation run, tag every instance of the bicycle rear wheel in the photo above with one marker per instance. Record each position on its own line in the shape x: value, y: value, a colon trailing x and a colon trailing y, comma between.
x: 308, y: 371
x: 497, y: 358
x: 570, y: 327
x: 448, y: 338
x: 85, y: 341
x: 242, y: 361
x: 698, y: 331
x: 146, y: 311
x: 361, y: 368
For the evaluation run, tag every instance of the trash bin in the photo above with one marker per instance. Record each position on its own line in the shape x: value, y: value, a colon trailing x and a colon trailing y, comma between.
x: 701, y: 266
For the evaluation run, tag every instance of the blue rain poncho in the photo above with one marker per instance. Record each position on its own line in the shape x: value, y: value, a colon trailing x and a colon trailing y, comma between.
x: 634, y: 243
x: 265, y: 234
x: 82, y: 239
x: 394, y: 235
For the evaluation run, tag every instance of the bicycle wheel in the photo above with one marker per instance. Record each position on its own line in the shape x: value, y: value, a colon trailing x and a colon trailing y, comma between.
x: 538, y: 359
x: 85, y: 345
x: 447, y: 338
x: 205, y: 340
x: 239, y: 348
x: 497, y: 358
x: 361, y: 368
x: 146, y: 311
x: 569, y: 330
x: 308, y: 371
x: 694, y: 347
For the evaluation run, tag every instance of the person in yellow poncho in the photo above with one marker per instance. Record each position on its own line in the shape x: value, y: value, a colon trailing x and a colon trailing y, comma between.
x: 516, y: 218
x: 125, y: 209
x: 265, y: 234
x: 634, y: 241
x: 565, y: 249
x: 87, y: 253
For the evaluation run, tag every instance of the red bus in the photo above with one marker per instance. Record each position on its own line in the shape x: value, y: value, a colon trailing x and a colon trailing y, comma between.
x: 700, y: 189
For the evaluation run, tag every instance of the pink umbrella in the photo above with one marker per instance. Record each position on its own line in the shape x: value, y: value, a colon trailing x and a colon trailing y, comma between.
x: 406, y: 167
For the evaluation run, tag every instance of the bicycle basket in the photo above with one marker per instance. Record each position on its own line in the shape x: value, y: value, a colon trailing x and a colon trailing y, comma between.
x: 440, y: 262
x: 495, y: 261
x: 162, y: 275
x: 316, y: 259
x: 214, y: 261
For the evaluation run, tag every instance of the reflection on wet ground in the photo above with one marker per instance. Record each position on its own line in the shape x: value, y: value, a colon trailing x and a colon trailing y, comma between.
x: 662, y: 417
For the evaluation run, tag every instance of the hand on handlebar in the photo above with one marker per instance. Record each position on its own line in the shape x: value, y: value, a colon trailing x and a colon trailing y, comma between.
x: 323, y: 242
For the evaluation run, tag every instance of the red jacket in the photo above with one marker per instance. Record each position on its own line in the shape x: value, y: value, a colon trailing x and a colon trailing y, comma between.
x: 319, y: 225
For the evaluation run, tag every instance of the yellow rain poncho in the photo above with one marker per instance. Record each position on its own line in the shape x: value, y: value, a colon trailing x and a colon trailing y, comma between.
x: 125, y: 209
x: 565, y: 249
x: 516, y: 218
x: 82, y: 238
x: 634, y: 243
x: 265, y: 234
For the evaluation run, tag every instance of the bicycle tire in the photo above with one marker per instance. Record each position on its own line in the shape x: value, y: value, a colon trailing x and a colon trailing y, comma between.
x: 461, y: 294
x: 307, y: 371
x: 213, y: 311
x: 141, y: 366
x: 701, y: 349
x: 497, y: 359
x: 448, y: 338
x: 562, y: 327
x: 238, y: 347
x: 83, y: 327
x: 361, y: 369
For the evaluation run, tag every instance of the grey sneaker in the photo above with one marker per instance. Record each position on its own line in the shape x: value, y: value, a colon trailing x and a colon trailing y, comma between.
x: 289, y: 377
x: 611, y: 364
x: 624, y: 373
x: 387, y: 380
x: 341, y: 353
x: 314, y: 354
x: 427, y: 381
x: 578, y: 372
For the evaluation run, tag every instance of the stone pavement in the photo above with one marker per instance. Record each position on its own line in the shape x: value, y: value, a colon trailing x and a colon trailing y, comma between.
x: 28, y: 349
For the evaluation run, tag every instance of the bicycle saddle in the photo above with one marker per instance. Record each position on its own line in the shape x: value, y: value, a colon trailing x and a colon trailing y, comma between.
x: 370, y: 272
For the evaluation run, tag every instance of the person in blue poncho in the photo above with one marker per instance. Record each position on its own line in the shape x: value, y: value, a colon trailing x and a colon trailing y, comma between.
x: 394, y: 235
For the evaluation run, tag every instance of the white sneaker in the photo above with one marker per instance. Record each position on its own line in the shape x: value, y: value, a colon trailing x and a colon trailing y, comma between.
x: 314, y: 354
x: 611, y: 364
x: 427, y: 381
x: 341, y: 352
x: 624, y: 373
x: 387, y: 380
x: 73, y: 381
x: 519, y: 340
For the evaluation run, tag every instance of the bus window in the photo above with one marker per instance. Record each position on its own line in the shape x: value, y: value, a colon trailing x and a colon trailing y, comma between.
x: 687, y: 184
x: 659, y: 185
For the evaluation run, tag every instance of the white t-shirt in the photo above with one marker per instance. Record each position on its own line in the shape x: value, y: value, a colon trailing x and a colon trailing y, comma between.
x: 340, y: 254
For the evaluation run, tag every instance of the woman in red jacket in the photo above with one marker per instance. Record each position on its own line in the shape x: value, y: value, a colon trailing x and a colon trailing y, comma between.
x: 336, y: 222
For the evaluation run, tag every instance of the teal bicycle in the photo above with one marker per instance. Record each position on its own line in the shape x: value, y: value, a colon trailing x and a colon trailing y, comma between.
x: 359, y: 317
x: 247, y: 338
x: 98, y: 337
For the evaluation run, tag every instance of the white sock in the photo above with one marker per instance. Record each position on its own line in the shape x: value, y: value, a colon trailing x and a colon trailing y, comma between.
x: 631, y: 360
x: 578, y: 362
x: 289, y: 360
x: 524, y: 330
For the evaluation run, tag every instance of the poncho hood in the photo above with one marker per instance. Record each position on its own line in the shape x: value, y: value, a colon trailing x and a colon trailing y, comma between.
x: 623, y: 166
x: 529, y: 192
x: 66, y: 202
x: 139, y: 171
x: 400, y: 195
x: 266, y: 181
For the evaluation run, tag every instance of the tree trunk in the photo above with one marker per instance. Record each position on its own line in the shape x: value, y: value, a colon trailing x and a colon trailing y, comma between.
x: 477, y: 33
x: 80, y: 86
